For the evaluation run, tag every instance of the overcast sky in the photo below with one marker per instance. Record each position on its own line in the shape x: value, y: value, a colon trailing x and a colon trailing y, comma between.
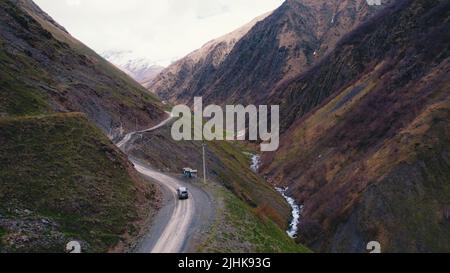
x: 159, y: 30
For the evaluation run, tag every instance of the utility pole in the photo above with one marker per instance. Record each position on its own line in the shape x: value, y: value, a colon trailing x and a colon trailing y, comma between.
x: 204, y: 162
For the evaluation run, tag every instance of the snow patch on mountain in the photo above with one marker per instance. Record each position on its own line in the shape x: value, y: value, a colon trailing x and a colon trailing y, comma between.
x: 140, y: 69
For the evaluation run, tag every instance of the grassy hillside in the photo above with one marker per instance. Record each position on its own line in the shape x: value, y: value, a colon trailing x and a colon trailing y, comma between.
x: 240, y: 228
x: 60, y: 176
x: 44, y: 69
x: 62, y: 179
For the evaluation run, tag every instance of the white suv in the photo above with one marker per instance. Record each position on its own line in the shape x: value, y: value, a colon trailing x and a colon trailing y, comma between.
x: 183, y: 193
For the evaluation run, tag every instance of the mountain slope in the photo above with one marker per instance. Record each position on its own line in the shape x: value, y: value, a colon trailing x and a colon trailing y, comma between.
x: 61, y: 179
x: 366, y: 147
x: 44, y: 69
x: 195, y: 69
x: 285, y: 43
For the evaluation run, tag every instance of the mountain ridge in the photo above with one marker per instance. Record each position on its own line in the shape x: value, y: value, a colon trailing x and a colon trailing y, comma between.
x: 194, y: 65
x: 283, y: 44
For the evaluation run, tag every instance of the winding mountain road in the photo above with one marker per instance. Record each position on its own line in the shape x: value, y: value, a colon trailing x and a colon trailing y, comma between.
x: 179, y: 223
x: 129, y: 136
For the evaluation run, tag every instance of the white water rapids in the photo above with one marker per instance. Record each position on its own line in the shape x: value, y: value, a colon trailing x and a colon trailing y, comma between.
x: 256, y: 163
x: 296, y: 209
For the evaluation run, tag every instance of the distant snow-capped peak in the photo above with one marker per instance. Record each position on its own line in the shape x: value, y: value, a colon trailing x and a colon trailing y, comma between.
x: 141, y: 69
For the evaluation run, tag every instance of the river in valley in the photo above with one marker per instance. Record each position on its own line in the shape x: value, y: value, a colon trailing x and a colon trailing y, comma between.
x: 296, y: 208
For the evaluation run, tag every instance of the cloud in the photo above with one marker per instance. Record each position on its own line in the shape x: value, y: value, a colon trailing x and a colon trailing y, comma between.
x: 159, y: 30
x: 72, y: 3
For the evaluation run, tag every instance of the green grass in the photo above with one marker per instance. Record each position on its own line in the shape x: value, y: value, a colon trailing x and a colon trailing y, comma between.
x: 235, y: 175
x: 241, y: 229
x: 19, y: 98
x: 63, y: 168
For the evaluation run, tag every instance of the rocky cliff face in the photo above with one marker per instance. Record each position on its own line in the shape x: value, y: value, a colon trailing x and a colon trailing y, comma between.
x: 288, y: 41
x: 366, y: 147
x: 44, y: 69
